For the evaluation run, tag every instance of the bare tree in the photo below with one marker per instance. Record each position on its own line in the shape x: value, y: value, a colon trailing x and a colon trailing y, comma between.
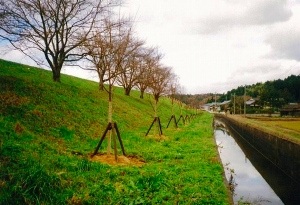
x: 159, y: 83
x: 173, y: 89
x: 100, y: 50
x: 239, y: 103
x: 113, y: 43
x: 131, y: 66
x: 181, y: 104
x: 51, y: 30
x: 159, y: 86
x: 149, y: 61
x: 97, y: 50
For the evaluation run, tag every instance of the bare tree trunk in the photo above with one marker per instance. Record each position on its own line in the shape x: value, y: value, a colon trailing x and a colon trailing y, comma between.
x: 101, y: 86
x: 109, y: 118
x: 155, y: 115
x: 155, y: 108
x: 127, y: 91
x: 142, y: 94
x: 180, y: 110
x: 101, y: 81
x: 56, y: 75
x: 172, y: 106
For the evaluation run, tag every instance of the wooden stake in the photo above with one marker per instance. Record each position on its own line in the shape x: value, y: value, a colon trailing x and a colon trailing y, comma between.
x: 181, y: 117
x: 102, y: 138
x: 120, y: 140
x: 156, y: 119
x: 115, y: 131
x: 175, y: 123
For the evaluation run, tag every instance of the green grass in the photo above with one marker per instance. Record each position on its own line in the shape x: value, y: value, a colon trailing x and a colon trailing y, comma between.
x: 48, y: 131
x: 286, y: 128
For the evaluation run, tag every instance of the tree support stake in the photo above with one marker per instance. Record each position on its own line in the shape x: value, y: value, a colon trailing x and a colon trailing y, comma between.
x: 172, y: 118
x: 115, y: 131
x: 157, y: 120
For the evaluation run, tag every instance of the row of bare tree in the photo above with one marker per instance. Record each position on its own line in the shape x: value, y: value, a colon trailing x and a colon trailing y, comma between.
x: 89, y: 34
x: 120, y: 58
x: 59, y: 33
x: 86, y: 32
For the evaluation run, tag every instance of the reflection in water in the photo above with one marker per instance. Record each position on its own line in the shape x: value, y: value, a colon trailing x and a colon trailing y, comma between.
x: 245, y: 181
x: 232, y: 184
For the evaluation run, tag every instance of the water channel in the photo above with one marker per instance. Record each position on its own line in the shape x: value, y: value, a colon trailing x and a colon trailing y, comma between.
x: 252, y: 178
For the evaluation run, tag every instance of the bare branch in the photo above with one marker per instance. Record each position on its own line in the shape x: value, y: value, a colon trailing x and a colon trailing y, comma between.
x: 54, y: 28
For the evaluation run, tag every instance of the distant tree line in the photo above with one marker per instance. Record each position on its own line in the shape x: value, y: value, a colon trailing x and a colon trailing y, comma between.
x: 273, y: 94
x: 194, y: 100
x: 277, y: 92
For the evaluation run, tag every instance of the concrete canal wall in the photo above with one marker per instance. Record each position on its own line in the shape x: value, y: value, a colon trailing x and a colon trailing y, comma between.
x: 281, y: 152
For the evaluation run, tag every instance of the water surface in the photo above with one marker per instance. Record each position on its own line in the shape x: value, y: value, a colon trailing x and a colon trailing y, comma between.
x: 247, y: 181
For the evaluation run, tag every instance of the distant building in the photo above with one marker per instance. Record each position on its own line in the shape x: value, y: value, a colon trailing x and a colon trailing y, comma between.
x: 225, y: 105
x: 205, y: 107
x: 252, y: 103
x: 216, y: 106
x: 292, y: 109
x: 213, y: 107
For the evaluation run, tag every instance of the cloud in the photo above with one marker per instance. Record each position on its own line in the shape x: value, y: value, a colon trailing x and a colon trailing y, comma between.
x: 267, y: 12
x: 284, y: 39
x: 244, y: 13
x: 285, y: 44
x: 11, y: 54
x: 258, y: 72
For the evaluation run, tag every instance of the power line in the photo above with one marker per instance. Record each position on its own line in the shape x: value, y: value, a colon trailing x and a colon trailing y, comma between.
x: 291, y: 67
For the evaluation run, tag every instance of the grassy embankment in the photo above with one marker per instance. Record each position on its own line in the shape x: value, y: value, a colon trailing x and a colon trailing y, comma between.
x: 287, y: 128
x: 49, y: 130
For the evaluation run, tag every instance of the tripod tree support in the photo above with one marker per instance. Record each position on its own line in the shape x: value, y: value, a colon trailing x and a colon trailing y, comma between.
x: 183, y: 120
x: 157, y: 120
x: 115, y: 131
x: 172, y: 118
x: 187, y: 118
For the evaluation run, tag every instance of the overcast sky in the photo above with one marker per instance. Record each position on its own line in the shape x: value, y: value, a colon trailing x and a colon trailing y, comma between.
x: 217, y: 45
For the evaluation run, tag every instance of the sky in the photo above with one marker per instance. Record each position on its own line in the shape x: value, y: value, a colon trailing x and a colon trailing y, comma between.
x: 217, y: 45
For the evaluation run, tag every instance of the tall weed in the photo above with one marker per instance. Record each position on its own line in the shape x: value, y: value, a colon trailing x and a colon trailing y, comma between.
x: 28, y: 182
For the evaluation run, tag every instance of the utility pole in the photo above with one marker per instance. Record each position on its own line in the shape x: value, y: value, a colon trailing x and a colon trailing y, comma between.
x: 234, y: 104
x: 245, y: 102
x: 215, y: 102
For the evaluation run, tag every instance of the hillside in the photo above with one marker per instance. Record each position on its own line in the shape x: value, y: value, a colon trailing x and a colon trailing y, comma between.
x: 49, y: 130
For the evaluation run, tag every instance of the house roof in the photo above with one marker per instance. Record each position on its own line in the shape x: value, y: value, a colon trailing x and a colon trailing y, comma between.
x: 225, y: 102
x: 291, y: 107
x: 250, y: 102
x: 218, y: 103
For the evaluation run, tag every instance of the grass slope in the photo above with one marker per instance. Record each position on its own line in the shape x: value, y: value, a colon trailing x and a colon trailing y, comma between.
x: 286, y: 128
x: 48, y: 131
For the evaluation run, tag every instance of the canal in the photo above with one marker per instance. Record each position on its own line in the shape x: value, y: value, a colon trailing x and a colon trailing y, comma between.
x: 252, y: 178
